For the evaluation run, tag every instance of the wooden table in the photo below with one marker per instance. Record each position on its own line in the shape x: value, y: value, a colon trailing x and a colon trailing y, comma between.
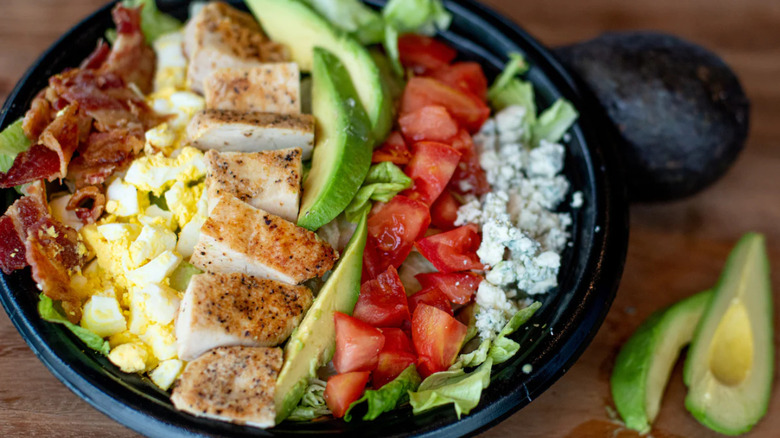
x: 675, y: 249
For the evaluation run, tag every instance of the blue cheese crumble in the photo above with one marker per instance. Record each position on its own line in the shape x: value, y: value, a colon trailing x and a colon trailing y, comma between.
x: 523, y: 235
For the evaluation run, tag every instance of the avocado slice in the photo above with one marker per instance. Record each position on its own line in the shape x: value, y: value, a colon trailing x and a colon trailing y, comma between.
x: 313, y: 342
x: 295, y: 25
x: 645, y: 362
x: 342, y: 154
x: 730, y: 365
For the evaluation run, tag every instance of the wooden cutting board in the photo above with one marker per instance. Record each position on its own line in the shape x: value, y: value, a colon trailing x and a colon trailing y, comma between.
x: 675, y: 249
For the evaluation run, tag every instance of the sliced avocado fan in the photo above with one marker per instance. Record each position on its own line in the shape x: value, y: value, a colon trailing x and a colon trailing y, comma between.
x: 730, y: 365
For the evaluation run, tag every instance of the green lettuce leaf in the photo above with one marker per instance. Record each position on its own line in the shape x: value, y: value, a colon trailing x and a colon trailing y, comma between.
x: 390, y: 43
x: 419, y: 16
x: 181, y: 276
x: 154, y: 22
x: 12, y: 143
x: 49, y: 311
x: 516, y: 66
x: 554, y: 121
x: 384, y: 180
x: 474, y: 358
x: 353, y: 17
x: 312, y: 404
x: 387, y: 397
x: 458, y: 387
x: 503, y: 348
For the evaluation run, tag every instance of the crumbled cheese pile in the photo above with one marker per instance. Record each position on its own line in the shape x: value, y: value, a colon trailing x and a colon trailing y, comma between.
x: 522, y: 234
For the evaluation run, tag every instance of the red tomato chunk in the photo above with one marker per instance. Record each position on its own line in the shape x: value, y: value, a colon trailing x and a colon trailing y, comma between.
x: 397, y: 340
x: 357, y: 344
x: 459, y: 287
x: 394, y: 150
x: 390, y: 365
x: 469, y: 177
x: 454, y: 250
x: 437, y: 337
x: 432, y: 297
x: 431, y: 123
x: 430, y: 169
x: 343, y: 389
x: 467, y: 109
x: 444, y: 211
x: 422, y: 53
x: 466, y: 76
x: 392, y: 230
x: 382, y: 301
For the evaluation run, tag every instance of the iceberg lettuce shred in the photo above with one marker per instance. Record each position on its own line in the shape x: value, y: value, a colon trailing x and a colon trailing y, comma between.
x: 457, y: 387
x: 353, y: 17
x: 12, y: 143
x: 387, y: 397
x: 49, y: 311
x: 384, y: 180
x: 554, y: 121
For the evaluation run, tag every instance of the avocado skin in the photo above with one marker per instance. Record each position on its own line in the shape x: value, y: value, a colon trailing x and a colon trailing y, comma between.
x: 681, y: 113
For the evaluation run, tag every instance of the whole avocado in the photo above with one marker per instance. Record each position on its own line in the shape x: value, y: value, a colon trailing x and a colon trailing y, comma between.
x: 681, y: 112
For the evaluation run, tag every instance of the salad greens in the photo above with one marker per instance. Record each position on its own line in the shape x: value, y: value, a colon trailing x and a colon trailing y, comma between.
x: 50, y: 311
x: 458, y: 387
x: 180, y: 277
x: 420, y: 16
x: 312, y: 404
x: 389, y: 396
x: 12, y: 143
x: 353, y: 17
x: 384, y: 180
x: 154, y: 23
x: 516, y: 66
x: 554, y: 121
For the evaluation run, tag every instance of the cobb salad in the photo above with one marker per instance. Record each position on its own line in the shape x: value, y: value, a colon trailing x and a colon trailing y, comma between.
x: 310, y: 209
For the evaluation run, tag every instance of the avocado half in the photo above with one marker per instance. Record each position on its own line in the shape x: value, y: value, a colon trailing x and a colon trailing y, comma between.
x: 731, y: 361
x: 645, y: 362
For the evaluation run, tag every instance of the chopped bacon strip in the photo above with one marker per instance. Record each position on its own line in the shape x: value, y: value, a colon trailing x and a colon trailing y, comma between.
x: 88, y: 203
x: 12, y: 254
x: 62, y: 136
x: 98, y: 57
x: 37, y: 117
x: 131, y: 58
x: 39, y: 162
x: 55, y: 252
x: 103, y: 154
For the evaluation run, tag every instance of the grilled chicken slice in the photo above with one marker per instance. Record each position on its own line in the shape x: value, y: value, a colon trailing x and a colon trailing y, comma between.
x: 267, y: 88
x: 221, y: 310
x: 220, y: 37
x: 270, y: 181
x: 235, y: 384
x: 233, y: 131
x: 237, y: 237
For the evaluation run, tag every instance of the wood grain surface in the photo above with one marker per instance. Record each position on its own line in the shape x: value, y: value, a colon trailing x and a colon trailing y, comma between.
x: 675, y: 249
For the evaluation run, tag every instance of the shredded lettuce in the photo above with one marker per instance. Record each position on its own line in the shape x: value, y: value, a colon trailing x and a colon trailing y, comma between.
x: 181, y: 276
x: 154, y: 22
x: 516, y: 66
x: 49, y: 311
x: 387, y: 397
x: 312, y: 404
x: 458, y: 387
x: 384, y: 180
x: 12, y: 143
x: 554, y: 121
x: 474, y: 358
x: 390, y: 43
x: 353, y: 17
x: 394, y: 82
x: 420, y: 16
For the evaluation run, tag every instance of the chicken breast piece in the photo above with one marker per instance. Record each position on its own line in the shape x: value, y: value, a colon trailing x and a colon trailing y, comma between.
x: 237, y: 237
x: 233, y: 131
x: 270, y: 180
x: 235, y: 384
x: 221, y: 310
x: 221, y: 36
x: 267, y: 88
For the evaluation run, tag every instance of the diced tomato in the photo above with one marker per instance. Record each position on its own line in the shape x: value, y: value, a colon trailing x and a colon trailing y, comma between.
x: 467, y: 109
x: 458, y: 286
x: 394, y: 150
x: 466, y: 76
x: 397, y: 340
x: 469, y: 177
x: 390, y: 365
x: 431, y: 296
x: 431, y: 123
x: 437, y: 337
x: 425, y: 366
x: 430, y: 169
x: 444, y: 211
x: 343, y: 389
x: 392, y: 230
x: 454, y: 250
x: 422, y: 53
x: 357, y: 344
x: 382, y: 301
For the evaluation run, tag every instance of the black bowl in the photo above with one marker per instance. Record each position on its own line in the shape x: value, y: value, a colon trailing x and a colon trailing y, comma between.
x: 550, y: 342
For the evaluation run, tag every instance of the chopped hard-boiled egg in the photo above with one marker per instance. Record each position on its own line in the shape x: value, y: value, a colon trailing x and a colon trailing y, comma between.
x: 124, y: 199
x: 161, y: 302
x: 152, y: 241
x: 155, y: 173
x: 183, y: 201
x: 130, y: 358
x: 157, y: 270
x: 155, y: 215
x: 166, y: 373
x: 188, y: 237
x: 103, y: 316
x: 161, y: 339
